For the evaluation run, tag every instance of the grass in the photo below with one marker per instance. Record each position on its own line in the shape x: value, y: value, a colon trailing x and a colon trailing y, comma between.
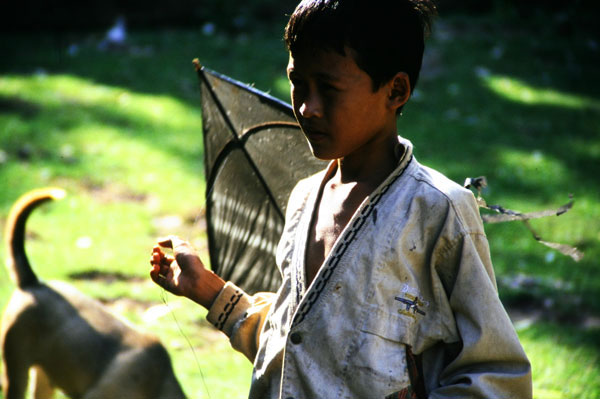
x: 121, y: 131
x: 573, y: 356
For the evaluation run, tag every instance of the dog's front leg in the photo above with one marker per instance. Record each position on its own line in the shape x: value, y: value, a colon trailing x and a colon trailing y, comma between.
x: 42, y: 387
x: 14, y: 380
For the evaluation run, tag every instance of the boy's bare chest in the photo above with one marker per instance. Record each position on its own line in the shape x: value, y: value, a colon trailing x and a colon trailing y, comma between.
x: 333, y: 212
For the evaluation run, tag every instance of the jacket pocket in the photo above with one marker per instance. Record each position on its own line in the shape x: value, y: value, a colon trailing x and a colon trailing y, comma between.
x: 393, y: 326
x: 377, y: 358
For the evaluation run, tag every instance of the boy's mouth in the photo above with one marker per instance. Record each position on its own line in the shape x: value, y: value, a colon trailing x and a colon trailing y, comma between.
x: 312, y: 133
x: 315, y: 137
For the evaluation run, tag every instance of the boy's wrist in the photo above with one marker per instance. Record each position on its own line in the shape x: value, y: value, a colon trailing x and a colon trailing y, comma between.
x: 208, y: 288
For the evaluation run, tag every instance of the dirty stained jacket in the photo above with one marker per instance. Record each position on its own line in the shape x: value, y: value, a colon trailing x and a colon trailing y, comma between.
x: 410, y: 274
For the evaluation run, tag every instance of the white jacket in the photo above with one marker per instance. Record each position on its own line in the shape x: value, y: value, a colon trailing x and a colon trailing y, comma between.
x: 411, y: 270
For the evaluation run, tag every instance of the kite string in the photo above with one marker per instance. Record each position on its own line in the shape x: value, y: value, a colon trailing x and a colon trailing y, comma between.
x: 163, y: 298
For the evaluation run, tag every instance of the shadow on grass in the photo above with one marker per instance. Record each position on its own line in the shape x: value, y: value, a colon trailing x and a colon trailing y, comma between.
x: 16, y: 106
x: 154, y: 62
x: 105, y: 276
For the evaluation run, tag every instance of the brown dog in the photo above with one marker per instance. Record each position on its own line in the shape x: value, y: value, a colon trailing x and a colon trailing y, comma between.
x: 69, y: 339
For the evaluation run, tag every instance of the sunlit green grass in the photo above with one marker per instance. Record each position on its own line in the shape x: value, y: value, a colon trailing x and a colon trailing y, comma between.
x: 121, y: 132
x: 521, y: 92
x: 91, y: 131
x: 566, y: 361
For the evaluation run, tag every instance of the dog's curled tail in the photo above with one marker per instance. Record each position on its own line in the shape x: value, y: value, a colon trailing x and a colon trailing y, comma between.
x: 14, y: 233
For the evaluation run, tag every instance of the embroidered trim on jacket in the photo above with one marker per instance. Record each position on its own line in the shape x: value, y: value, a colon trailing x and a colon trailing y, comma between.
x: 340, y: 250
x: 228, y: 308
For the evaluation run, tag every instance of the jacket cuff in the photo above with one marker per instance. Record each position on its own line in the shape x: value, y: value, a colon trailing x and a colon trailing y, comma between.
x: 229, y: 307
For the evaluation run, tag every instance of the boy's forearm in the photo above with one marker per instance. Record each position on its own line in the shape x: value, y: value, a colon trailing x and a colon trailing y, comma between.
x: 208, y: 287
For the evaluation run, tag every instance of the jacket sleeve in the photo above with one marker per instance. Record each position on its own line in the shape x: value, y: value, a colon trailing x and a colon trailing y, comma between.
x: 489, y: 361
x: 241, y: 317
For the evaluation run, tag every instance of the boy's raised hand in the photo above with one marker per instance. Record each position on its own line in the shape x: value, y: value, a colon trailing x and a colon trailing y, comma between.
x: 183, y: 273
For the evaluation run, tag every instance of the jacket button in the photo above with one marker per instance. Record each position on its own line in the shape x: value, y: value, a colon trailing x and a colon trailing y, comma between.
x: 296, y: 338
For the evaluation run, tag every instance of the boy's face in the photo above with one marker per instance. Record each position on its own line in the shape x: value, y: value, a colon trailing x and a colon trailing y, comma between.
x: 334, y: 102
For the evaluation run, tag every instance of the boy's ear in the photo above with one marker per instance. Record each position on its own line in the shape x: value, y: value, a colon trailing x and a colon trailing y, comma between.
x: 399, y: 90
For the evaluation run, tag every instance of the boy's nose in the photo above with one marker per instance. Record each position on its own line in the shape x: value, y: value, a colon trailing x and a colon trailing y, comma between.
x: 311, y: 107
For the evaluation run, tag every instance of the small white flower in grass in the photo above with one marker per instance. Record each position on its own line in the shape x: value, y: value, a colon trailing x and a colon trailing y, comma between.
x: 84, y: 242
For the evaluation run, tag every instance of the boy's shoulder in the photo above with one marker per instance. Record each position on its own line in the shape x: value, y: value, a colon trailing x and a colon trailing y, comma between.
x: 434, y: 190
x: 436, y: 182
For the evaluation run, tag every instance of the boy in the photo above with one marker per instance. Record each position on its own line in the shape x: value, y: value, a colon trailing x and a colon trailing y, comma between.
x: 388, y: 289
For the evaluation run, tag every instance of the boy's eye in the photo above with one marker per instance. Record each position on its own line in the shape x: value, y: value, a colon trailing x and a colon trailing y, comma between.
x: 327, y: 87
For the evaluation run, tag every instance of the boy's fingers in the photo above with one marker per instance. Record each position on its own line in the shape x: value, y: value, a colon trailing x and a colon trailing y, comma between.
x: 179, y: 246
x: 157, y: 250
x: 154, y: 272
x: 172, y: 242
x: 158, y: 260
x: 157, y: 275
x: 166, y: 242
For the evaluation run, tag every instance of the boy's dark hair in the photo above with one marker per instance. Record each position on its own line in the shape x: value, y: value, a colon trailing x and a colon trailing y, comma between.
x: 387, y: 35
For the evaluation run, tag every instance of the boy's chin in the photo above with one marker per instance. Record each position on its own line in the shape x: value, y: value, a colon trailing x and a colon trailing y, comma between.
x: 321, y: 153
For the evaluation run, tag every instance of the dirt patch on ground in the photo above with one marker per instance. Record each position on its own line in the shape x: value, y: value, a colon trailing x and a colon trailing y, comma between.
x: 112, y: 193
x: 128, y: 305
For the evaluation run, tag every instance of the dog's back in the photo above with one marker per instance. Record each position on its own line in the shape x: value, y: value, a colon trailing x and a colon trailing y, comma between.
x: 72, y: 339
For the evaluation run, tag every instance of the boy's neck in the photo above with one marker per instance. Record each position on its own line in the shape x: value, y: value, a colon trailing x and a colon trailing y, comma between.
x: 368, y: 168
